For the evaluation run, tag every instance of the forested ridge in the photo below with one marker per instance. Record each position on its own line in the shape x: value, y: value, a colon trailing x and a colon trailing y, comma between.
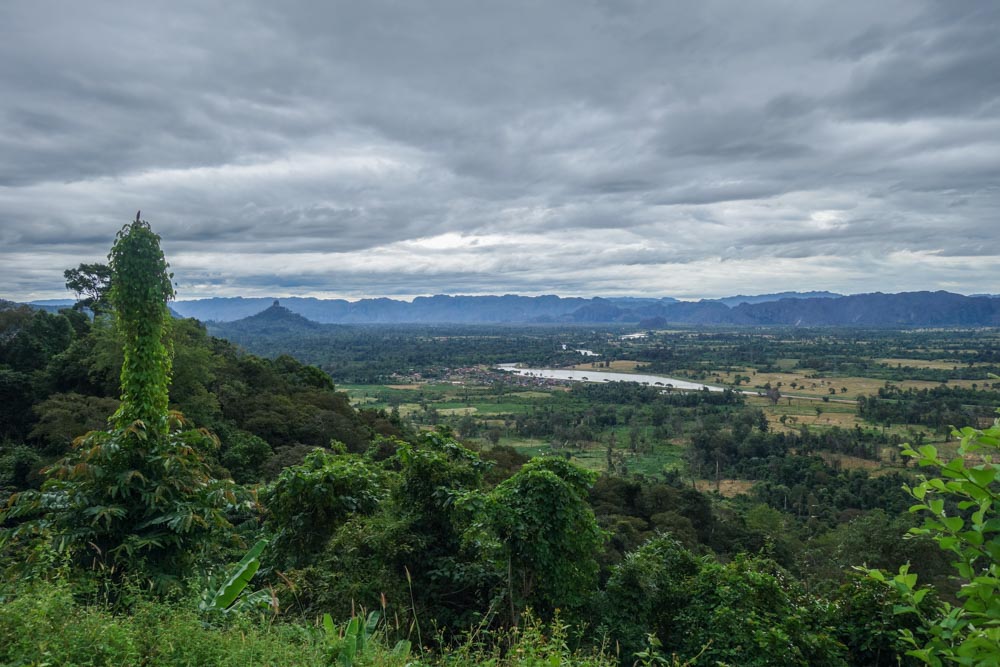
x: 168, y: 498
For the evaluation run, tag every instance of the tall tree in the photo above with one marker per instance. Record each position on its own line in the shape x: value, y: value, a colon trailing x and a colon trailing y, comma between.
x: 139, y: 497
x: 90, y: 283
x: 139, y: 293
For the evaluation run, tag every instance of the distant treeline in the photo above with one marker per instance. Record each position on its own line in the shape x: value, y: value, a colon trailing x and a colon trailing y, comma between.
x: 940, y: 407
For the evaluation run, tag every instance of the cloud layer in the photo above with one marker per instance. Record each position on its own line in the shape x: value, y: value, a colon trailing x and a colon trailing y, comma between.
x: 580, y: 148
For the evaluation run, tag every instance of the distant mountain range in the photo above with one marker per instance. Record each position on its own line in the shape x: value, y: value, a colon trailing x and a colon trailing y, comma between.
x: 863, y: 310
x: 905, y: 309
x: 430, y: 309
x: 785, y: 308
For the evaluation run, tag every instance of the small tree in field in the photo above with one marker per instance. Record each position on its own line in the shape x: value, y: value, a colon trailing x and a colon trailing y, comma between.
x: 959, y: 504
x: 138, y: 497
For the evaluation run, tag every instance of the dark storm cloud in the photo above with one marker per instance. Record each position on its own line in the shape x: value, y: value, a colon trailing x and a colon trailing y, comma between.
x: 633, y: 147
x: 941, y: 64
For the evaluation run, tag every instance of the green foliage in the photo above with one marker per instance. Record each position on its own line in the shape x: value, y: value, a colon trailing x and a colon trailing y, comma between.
x: 140, y: 496
x: 959, y: 505
x: 876, y: 539
x: 646, y: 591
x: 354, y: 643
x: 865, y: 622
x: 17, y: 466
x: 409, y: 548
x: 751, y: 612
x: 195, y: 372
x: 140, y: 289
x: 63, y: 417
x: 546, y: 537
x: 532, y: 643
x: 125, y: 498
x: 308, y: 502
x: 16, y: 396
x: 243, y: 454
x: 449, y: 580
x: 30, y: 338
x: 286, y: 403
x: 229, y: 597
x: 90, y: 283
x: 45, y: 626
x: 746, y: 612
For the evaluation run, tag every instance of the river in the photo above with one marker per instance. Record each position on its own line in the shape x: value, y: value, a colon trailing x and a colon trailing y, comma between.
x: 605, y: 376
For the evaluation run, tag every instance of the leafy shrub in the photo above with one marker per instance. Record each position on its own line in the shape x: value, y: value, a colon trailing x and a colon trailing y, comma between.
x: 308, y: 502
x: 243, y: 454
x: 959, y: 506
x: 131, y: 500
x: 544, y: 534
x: 751, y: 613
x: 646, y: 591
x: 865, y: 622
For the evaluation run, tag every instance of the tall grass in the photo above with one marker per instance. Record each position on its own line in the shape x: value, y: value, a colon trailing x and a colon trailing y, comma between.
x: 45, y: 625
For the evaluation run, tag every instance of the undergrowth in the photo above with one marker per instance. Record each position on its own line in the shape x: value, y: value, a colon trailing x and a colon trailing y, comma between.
x: 45, y: 625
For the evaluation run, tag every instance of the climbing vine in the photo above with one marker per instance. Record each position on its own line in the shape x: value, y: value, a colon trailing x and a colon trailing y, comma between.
x: 139, y: 498
x: 139, y: 293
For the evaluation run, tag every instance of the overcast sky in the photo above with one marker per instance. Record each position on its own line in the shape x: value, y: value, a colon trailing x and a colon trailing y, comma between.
x: 594, y: 148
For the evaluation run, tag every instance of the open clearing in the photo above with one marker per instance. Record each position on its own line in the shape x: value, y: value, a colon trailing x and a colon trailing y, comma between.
x: 468, y: 410
x: 808, y: 383
x: 726, y: 487
x: 938, y: 364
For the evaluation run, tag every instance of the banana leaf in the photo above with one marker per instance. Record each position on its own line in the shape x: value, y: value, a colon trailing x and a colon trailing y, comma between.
x: 238, y: 578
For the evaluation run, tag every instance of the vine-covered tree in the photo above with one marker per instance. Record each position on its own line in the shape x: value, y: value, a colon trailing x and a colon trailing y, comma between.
x: 138, y: 497
x: 139, y: 294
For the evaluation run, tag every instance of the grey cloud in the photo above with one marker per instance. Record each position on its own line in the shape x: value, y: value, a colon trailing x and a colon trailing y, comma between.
x: 337, y: 148
x: 944, y: 63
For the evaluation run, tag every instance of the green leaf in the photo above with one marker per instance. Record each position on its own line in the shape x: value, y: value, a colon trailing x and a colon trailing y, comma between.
x: 953, y: 523
x: 401, y: 651
x: 239, y: 577
x: 982, y: 477
x: 928, y: 451
x: 349, y: 650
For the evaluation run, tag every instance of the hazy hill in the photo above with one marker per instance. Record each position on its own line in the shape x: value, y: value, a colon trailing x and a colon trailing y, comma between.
x: 733, y: 301
x: 870, y: 310
x: 904, y: 309
x: 275, y: 320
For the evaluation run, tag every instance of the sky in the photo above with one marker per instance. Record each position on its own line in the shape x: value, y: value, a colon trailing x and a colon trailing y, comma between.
x: 572, y: 147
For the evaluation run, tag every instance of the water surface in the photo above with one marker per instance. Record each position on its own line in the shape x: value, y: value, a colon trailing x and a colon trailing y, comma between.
x: 605, y: 376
